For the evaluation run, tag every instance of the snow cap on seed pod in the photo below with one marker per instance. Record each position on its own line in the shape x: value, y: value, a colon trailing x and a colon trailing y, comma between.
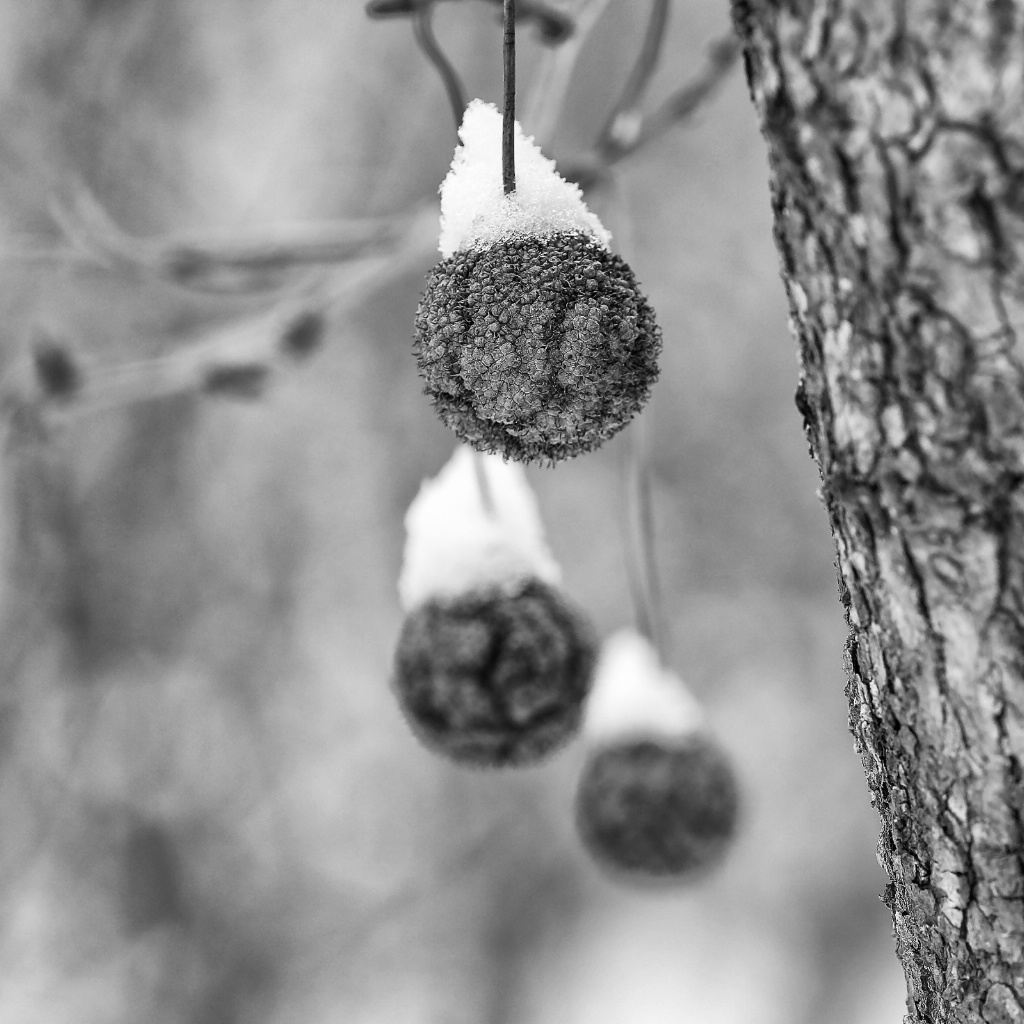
x: 493, y: 664
x: 533, y: 338
x: 476, y: 212
x: 635, y: 696
x: 455, y: 542
x: 658, y: 797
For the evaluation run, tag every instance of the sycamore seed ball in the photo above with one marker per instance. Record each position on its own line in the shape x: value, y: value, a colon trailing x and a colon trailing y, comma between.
x: 532, y: 337
x: 656, y: 809
x: 540, y: 349
x: 494, y: 678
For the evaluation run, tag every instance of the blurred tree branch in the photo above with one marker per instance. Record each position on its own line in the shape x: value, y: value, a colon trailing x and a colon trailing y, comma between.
x: 553, y: 26
x: 630, y: 130
x: 896, y: 158
x: 423, y: 30
x: 547, y: 98
x: 621, y: 127
x: 238, y: 359
x: 309, y: 273
x: 266, y: 259
x: 685, y: 101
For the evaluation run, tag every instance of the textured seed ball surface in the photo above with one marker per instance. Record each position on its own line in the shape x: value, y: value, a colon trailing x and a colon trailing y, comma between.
x: 537, y: 348
x: 493, y: 679
x: 651, y: 809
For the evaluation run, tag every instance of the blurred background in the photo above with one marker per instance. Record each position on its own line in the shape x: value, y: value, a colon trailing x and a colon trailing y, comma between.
x: 210, y: 809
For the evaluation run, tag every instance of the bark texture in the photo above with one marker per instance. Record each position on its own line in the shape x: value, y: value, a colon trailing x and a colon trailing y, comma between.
x: 896, y: 141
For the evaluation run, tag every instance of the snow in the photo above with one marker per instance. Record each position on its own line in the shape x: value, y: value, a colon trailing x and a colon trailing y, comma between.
x: 476, y: 212
x: 634, y: 696
x: 454, y: 544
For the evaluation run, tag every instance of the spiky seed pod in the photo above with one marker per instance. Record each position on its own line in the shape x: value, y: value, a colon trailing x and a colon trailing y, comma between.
x: 657, y: 809
x: 494, y: 677
x: 657, y: 798
x: 532, y: 336
x: 536, y: 348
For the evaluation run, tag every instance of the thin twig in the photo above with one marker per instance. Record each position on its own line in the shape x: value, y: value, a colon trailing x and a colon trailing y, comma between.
x: 423, y: 30
x: 637, y: 595
x: 484, y: 484
x: 643, y: 613
x: 645, y: 585
x: 648, y: 549
x: 508, y: 114
x: 554, y: 26
x: 682, y: 104
x: 239, y: 359
x: 687, y: 100
x: 552, y: 81
x: 221, y: 264
x: 625, y: 119
x: 638, y: 519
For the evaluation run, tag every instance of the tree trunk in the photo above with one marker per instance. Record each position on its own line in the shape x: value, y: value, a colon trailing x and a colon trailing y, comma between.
x: 896, y: 144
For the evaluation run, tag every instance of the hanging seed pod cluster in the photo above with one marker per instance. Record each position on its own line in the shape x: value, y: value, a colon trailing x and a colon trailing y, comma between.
x: 536, y: 344
x: 532, y: 337
x: 492, y: 664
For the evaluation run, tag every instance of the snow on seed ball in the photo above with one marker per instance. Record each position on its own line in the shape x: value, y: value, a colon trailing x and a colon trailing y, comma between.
x: 538, y: 348
x: 663, y: 810
x: 493, y: 678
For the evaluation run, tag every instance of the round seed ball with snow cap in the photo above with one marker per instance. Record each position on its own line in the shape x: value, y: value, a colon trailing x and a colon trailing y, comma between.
x: 494, y: 677
x: 538, y: 348
x: 658, y: 809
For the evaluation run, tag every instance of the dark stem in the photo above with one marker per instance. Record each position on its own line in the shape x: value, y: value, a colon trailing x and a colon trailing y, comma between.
x: 508, y: 117
x: 423, y: 30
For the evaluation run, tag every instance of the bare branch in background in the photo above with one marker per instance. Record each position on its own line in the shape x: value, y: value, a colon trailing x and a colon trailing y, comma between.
x: 630, y: 130
x: 304, y: 335
x: 57, y: 368
x: 553, y: 26
x: 682, y: 104
x: 423, y: 30
x: 627, y: 129
x: 238, y: 360
x: 269, y: 259
x: 624, y: 123
x: 547, y: 100
x: 231, y: 264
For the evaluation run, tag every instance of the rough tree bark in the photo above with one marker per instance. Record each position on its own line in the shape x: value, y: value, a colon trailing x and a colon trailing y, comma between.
x: 895, y: 132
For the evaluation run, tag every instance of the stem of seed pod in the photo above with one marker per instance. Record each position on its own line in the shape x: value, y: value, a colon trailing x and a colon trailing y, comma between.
x: 640, y: 547
x: 483, y: 484
x: 645, y: 517
x: 508, y: 119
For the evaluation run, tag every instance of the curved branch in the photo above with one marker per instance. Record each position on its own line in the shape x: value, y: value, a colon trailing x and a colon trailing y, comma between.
x: 634, y: 131
x: 228, y: 264
x: 423, y: 30
x: 624, y: 122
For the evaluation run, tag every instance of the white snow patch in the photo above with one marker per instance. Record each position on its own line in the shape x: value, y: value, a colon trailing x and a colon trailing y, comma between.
x: 454, y: 544
x: 474, y: 208
x: 635, y: 696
